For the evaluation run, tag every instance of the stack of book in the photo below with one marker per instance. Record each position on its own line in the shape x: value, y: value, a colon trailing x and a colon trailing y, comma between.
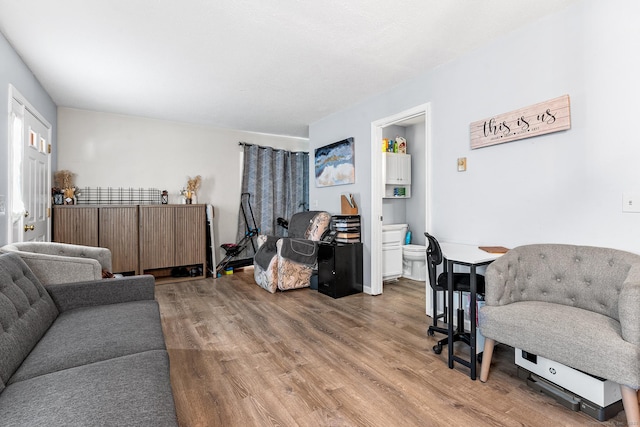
x: 347, y: 228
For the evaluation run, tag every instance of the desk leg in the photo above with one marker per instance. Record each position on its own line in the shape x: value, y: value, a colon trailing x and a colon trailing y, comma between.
x: 449, y: 267
x: 472, y: 318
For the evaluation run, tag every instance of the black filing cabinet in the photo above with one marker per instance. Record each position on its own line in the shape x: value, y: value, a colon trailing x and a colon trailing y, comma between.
x: 340, y: 269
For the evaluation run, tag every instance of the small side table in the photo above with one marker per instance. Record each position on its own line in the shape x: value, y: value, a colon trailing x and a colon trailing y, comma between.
x: 472, y: 257
x: 340, y: 269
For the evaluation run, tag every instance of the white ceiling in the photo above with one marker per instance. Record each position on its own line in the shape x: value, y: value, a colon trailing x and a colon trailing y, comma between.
x: 257, y: 65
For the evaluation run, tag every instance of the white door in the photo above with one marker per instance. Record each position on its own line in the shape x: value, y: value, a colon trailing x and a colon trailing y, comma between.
x: 35, y: 185
x: 30, y: 190
x: 398, y: 168
x: 404, y: 168
x: 392, y: 172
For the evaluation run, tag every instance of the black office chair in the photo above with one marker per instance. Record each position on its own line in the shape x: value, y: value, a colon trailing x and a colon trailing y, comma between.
x: 461, y: 283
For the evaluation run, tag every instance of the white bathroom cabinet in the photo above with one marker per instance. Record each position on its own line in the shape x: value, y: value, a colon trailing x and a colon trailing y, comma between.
x: 392, y: 239
x: 397, y: 175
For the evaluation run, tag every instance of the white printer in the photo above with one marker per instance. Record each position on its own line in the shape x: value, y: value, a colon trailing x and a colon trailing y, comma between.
x: 576, y: 390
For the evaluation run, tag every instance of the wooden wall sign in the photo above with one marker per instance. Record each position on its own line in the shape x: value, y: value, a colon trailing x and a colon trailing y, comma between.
x: 546, y: 117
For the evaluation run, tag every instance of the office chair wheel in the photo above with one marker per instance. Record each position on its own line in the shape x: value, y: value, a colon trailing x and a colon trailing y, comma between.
x: 430, y: 333
x: 437, y: 349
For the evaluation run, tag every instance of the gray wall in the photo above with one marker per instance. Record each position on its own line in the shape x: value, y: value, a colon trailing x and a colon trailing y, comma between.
x: 562, y: 187
x: 416, y: 204
x: 14, y: 71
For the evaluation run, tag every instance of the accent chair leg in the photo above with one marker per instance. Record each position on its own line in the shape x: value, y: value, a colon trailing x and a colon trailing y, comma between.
x: 486, y: 359
x: 630, y: 401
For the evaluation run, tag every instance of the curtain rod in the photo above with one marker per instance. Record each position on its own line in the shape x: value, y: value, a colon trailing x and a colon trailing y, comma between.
x: 274, y: 149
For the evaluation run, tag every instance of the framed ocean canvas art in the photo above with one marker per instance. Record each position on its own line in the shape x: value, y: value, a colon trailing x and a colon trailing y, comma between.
x: 334, y: 164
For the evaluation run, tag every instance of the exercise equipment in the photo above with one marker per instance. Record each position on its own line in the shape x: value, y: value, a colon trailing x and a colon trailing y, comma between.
x: 233, y: 250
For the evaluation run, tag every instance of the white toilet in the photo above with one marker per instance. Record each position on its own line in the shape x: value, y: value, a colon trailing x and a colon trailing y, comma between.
x: 414, y: 262
x: 400, y: 260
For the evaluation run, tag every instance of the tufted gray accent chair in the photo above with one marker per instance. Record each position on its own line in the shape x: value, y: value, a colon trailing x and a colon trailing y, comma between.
x: 576, y: 305
x: 54, y: 263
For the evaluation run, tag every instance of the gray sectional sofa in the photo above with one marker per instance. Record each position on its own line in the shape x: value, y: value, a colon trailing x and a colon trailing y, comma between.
x: 81, y: 354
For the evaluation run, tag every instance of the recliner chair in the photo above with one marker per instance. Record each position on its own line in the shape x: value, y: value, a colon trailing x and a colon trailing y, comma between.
x: 288, y: 262
x: 461, y: 283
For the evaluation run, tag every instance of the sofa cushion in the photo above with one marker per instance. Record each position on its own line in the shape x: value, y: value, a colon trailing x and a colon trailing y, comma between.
x: 578, y: 338
x: 126, y: 391
x: 69, y: 296
x: 92, y: 334
x: 26, y: 312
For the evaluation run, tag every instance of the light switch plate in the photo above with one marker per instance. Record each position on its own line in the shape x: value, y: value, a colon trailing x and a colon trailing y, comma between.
x: 462, y: 164
x: 630, y: 202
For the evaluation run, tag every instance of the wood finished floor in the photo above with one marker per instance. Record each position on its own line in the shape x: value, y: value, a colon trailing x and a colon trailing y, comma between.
x: 241, y: 356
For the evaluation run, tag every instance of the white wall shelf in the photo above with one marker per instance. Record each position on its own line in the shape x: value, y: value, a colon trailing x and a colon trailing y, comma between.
x: 397, y: 175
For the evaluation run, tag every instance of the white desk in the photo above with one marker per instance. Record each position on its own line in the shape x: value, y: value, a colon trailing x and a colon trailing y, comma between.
x: 472, y: 257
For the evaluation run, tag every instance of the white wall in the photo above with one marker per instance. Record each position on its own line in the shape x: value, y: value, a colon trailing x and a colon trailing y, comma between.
x: 562, y: 187
x: 109, y: 150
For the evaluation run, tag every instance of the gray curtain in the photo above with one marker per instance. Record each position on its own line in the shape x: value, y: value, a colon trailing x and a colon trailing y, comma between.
x: 278, y: 184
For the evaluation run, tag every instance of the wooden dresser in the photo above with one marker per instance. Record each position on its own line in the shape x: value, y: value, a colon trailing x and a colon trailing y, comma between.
x: 167, y: 241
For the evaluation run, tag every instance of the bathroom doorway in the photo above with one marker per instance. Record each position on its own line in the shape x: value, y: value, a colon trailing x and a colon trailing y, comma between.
x: 419, y: 119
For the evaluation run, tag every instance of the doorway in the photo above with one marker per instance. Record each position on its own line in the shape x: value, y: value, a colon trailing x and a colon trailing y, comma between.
x: 418, y: 116
x: 30, y: 171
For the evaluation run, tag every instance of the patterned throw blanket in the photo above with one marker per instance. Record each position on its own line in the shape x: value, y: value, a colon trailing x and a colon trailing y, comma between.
x: 299, y: 250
